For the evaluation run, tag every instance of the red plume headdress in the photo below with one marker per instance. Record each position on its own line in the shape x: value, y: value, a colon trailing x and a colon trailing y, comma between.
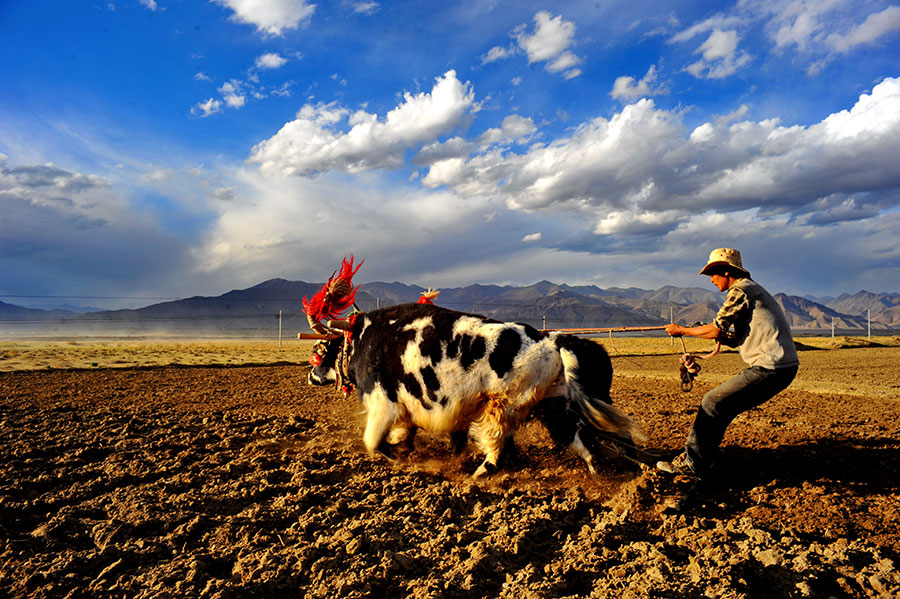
x: 335, y: 296
x: 429, y: 296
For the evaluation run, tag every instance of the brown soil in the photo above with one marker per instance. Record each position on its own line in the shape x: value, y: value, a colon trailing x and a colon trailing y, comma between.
x: 242, y: 481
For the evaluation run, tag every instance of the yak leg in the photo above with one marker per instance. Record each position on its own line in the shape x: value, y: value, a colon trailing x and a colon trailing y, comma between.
x: 577, y: 447
x: 490, y: 431
x: 458, y: 440
x: 382, y: 413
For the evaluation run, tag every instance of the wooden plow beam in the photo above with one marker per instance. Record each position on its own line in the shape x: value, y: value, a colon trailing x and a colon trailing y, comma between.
x: 589, y: 330
x: 318, y: 336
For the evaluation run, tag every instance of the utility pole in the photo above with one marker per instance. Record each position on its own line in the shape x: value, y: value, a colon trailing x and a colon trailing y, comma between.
x: 279, y: 328
x: 869, y: 322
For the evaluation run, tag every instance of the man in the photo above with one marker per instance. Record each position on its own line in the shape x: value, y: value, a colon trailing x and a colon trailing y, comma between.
x: 752, y: 320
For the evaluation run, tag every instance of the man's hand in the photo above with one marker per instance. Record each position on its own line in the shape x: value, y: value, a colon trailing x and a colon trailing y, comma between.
x: 675, y: 330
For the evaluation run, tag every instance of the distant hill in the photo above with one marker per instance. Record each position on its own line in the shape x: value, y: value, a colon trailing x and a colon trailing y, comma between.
x: 13, y: 311
x: 254, y: 311
x: 883, y: 306
x: 805, y: 314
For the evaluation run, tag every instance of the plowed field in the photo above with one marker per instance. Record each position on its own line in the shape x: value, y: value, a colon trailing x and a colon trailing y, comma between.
x: 241, y: 481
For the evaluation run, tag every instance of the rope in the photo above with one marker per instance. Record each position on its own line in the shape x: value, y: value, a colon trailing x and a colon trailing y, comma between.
x: 690, y: 368
x: 609, y: 439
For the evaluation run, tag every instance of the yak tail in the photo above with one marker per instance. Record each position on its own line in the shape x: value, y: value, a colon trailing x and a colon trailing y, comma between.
x: 588, y: 374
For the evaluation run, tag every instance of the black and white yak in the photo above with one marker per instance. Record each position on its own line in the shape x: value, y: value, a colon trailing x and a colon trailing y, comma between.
x: 423, y: 366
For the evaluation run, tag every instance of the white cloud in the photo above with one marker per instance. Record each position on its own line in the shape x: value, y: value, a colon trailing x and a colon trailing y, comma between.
x: 819, y: 28
x: 270, y: 16
x: 720, y: 56
x: 301, y: 227
x: 799, y: 23
x: 514, y: 128
x: 270, y: 60
x: 205, y: 109
x: 551, y: 37
x: 639, y: 171
x: 626, y: 88
x: 47, y: 179
x: 532, y: 238
x: 873, y: 28
x: 815, y: 29
x: 231, y: 93
x: 312, y: 142
x: 549, y: 43
x: 710, y: 24
x: 150, y: 4
x: 497, y: 53
x: 157, y: 176
x: 366, y: 8
x: 639, y: 223
x: 201, y: 76
x: 641, y: 168
x: 732, y: 116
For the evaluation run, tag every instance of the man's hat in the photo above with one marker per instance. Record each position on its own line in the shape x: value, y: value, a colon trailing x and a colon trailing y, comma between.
x: 724, y: 257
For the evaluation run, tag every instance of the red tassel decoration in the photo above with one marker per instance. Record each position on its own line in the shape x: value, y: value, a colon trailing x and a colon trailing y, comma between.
x: 428, y: 297
x: 335, y: 296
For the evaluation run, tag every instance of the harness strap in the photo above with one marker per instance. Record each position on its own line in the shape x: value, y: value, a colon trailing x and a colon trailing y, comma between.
x: 690, y: 368
x: 342, y: 363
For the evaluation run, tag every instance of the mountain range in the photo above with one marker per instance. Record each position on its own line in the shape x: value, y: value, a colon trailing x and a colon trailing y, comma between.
x: 256, y: 310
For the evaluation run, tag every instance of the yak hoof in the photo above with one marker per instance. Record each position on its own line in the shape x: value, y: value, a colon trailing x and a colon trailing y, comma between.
x: 387, y: 451
x: 485, y: 468
x: 458, y: 441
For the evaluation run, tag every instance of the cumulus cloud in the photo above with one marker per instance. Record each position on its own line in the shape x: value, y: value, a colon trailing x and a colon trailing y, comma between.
x: 710, y: 24
x: 270, y: 60
x: 720, y: 56
x: 232, y: 94
x: 366, y: 8
x: 49, y: 178
x: 315, y: 142
x: 873, y: 28
x: 641, y: 171
x: 207, y: 108
x: 798, y: 24
x: 549, y: 43
x: 158, y: 176
x: 626, y: 88
x: 497, y: 53
x: 514, y: 128
x: 642, y: 168
x: 272, y: 17
x: 301, y: 227
x: 816, y: 29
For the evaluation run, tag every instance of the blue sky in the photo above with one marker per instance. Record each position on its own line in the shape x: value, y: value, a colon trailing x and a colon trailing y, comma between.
x: 163, y: 148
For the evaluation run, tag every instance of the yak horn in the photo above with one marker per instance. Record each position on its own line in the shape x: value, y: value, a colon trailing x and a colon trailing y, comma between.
x: 316, y: 326
x: 343, y: 325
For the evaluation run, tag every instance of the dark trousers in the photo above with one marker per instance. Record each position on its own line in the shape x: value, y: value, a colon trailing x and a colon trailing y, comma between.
x: 748, y: 389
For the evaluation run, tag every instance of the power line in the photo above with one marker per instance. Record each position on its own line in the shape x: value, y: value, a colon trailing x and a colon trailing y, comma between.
x: 92, y: 297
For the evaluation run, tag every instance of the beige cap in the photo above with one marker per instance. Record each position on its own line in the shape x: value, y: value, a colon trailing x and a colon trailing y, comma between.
x: 724, y: 257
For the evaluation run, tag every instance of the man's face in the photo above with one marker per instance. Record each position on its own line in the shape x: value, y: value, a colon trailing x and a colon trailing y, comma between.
x: 720, y: 281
